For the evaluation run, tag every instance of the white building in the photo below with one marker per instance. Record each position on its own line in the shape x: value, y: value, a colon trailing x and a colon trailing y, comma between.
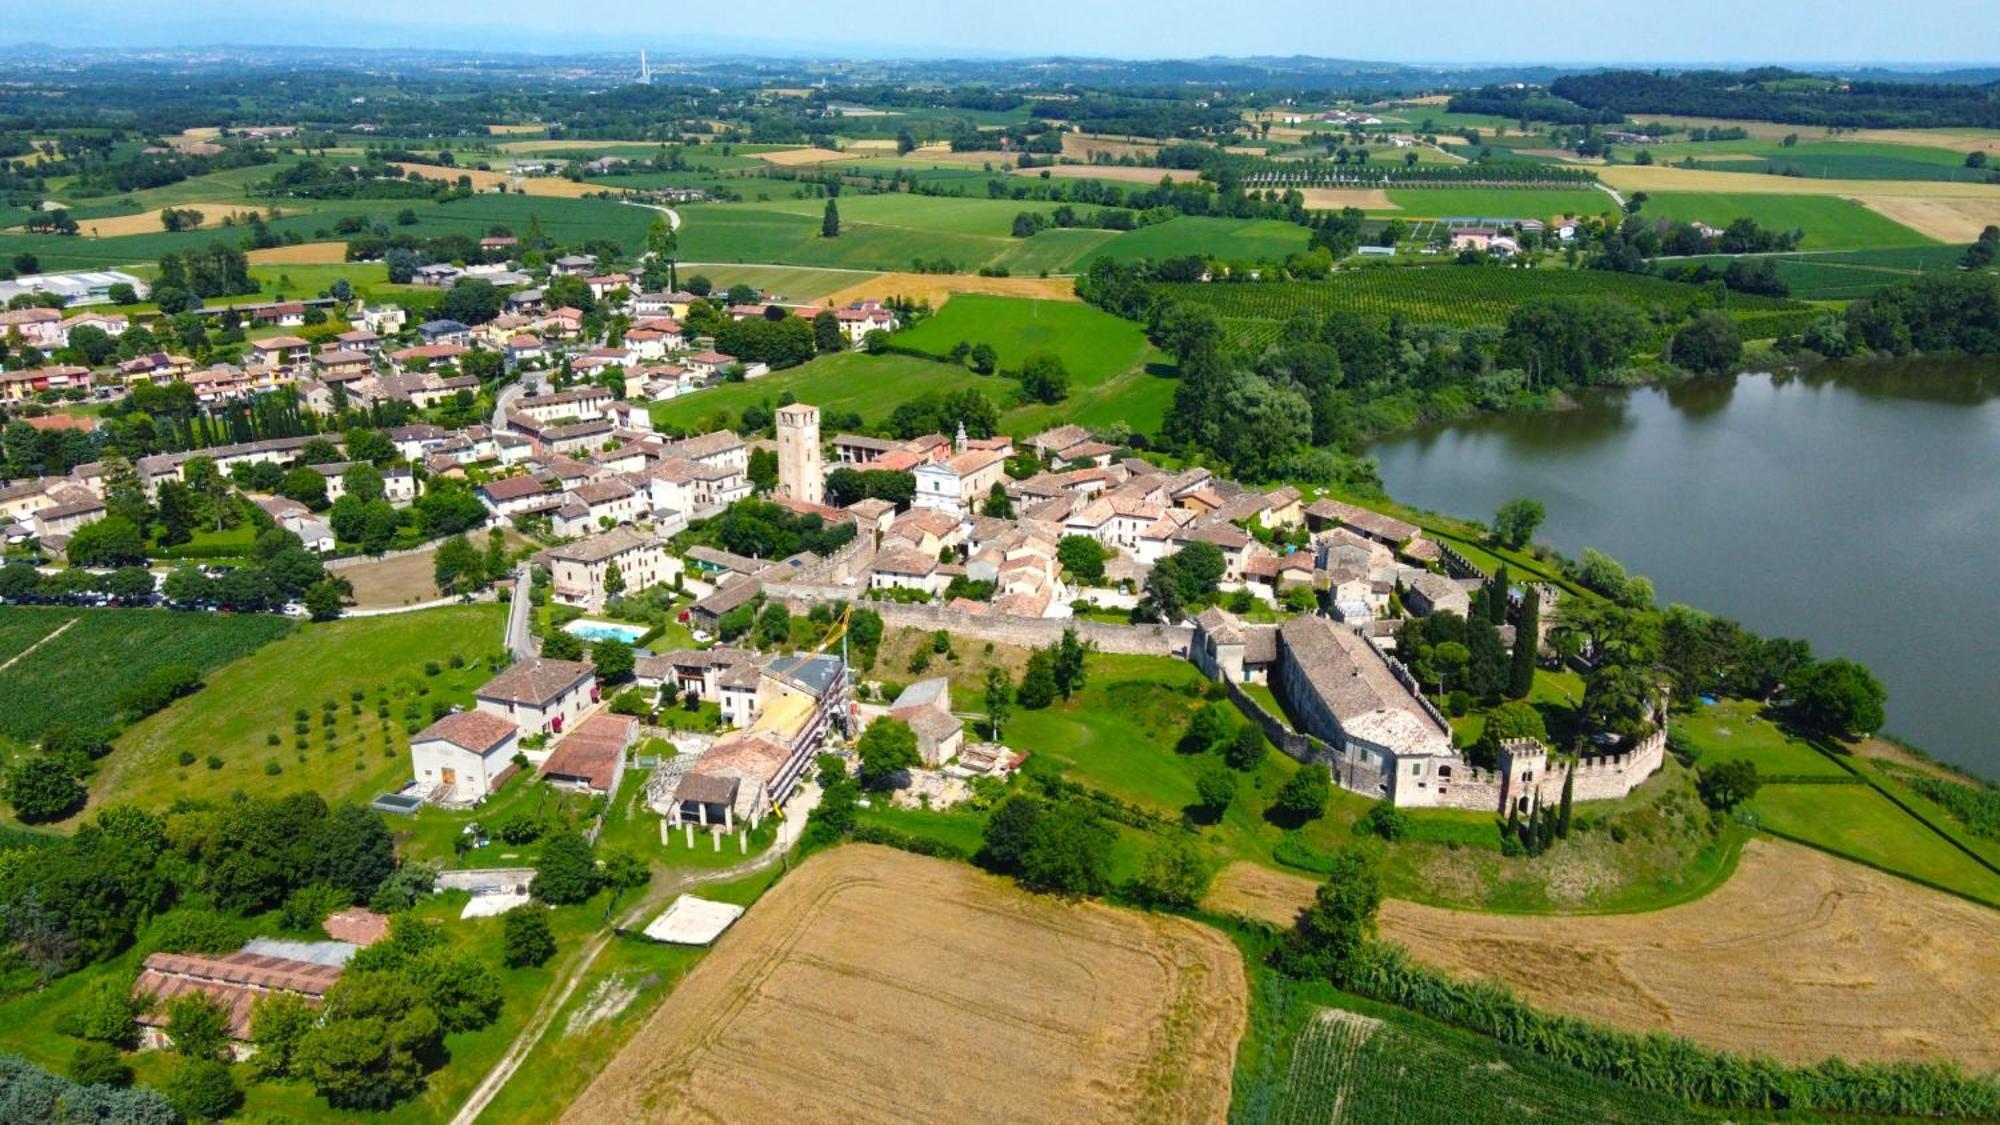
x: 460, y: 758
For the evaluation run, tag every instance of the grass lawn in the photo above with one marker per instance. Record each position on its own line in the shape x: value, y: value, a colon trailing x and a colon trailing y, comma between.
x: 1092, y: 343
x: 1861, y: 824
x: 432, y: 833
x: 1829, y: 223
x: 78, y: 676
x: 244, y: 704
x: 871, y: 386
x: 766, y: 233
x: 1733, y: 730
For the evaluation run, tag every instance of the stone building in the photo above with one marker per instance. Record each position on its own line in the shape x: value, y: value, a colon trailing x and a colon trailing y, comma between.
x: 801, y: 474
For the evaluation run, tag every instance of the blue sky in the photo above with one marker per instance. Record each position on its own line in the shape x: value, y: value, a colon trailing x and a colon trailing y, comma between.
x: 1826, y: 31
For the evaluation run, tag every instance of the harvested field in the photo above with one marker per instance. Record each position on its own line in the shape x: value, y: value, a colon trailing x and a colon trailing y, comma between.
x: 1659, y: 177
x: 554, y: 186
x: 148, y: 222
x: 1333, y: 199
x: 508, y: 130
x: 402, y: 580
x: 1947, y: 220
x: 794, y: 157
x: 1078, y: 146
x: 303, y: 254
x: 1121, y: 172
x: 1799, y: 956
x: 876, y: 985
x: 937, y: 288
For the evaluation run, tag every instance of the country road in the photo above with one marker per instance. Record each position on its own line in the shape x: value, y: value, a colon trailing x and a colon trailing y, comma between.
x: 657, y: 896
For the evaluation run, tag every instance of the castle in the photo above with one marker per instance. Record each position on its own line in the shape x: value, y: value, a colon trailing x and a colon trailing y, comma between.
x: 1362, y: 716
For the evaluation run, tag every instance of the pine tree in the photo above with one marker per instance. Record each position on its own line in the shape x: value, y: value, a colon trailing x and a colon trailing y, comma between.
x: 1569, y: 793
x: 1496, y: 597
x: 1521, y: 678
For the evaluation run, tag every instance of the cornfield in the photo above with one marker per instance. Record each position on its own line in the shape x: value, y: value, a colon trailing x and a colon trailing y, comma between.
x: 1351, y: 1069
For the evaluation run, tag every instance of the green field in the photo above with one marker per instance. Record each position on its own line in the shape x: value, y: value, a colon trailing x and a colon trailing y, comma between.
x: 77, y: 677
x: 987, y: 218
x: 1241, y: 240
x: 719, y: 232
x: 233, y: 717
x: 793, y: 284
x: 1112, y: 378
x: 1826, y: 160
x: 1734, y: 731
x: 1498, y: 203
x: 1829, y: 223
x: 1450, y: 296
x: 1351, y: 1068
x: 1859, y: 823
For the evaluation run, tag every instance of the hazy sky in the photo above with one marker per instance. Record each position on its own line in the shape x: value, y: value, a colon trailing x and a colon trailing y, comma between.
x: 1911, y: 31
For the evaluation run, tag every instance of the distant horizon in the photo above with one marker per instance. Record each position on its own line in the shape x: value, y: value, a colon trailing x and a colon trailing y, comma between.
x: 664, y: 55
x: 1925, y: 34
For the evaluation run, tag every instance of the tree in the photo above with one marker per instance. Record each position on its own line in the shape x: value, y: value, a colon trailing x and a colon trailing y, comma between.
x: 1174, y: 873
x: 1070, y: 853
x: 98, y: 1064
x: 1725, y: 785
x: 42, y: 788
x: 999, y: 700
x: 614, y: 660
x: 352, y: 850
x: 763, y: 470
x: 1521, y: 671
x: 1838, y: 697
x: 1044, y: 377
x: 829, y: 224
x: 279, y: 1022
x: 474, y: 300
x: 305, y: 485
x: 1009, y: 834
x: 323, y: 600
x: 567, y: 870
x: 463, y: 992
x: 564, y: 645
x: 886, y: 748
x: 1038, y: 681
x: 111, y: 541
x: 982, y: 358
x: 457, y: 567
x: 1247, y: 749
x: 1215, y: 786
x: 204, y: 1090
x: 198, y: 1026
x: 1209, y: 728
x: 774, y: 626
x: 1069, y: 669
x: 827, y: 336
x: 1709, y: 344
x: 1083, y: 557
x: 526, y: 938
x: 1304, y: 795
x: 106, y: 1014
x: 997, y: 505
x: 370, y: 1049
x: 1335, y: 930
x: 1516, y: 522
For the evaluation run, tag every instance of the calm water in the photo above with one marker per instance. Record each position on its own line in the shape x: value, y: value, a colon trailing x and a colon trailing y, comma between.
x: 1856, y: 506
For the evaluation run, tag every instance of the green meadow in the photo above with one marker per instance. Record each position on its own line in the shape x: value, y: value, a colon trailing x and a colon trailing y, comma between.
x: 1829, y: 223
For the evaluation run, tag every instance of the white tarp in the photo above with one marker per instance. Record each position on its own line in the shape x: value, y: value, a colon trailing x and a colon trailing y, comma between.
x: 693, y: 921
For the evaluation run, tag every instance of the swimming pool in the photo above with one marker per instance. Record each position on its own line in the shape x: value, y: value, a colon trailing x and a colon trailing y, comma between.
x: 590, y: 629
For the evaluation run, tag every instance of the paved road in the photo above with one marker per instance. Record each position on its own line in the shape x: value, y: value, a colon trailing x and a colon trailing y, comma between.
x: 673, y: 216
x: 657, y: 895
x: 504, y: 401
x: 518, y: 639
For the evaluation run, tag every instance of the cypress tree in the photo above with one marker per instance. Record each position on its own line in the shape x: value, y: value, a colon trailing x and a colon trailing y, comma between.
x: 829, y: 224
x: 1521, y: 677
x: 1496, y: 597
x: 1569, y: 793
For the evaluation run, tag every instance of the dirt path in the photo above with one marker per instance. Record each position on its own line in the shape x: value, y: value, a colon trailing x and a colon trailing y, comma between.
x: 21, y: 655
x: 657, y: 895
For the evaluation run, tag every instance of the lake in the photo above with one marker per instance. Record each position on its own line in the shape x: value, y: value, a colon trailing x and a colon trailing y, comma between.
x: 1856, y: 505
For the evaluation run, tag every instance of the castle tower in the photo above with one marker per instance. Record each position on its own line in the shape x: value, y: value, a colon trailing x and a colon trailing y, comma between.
x: 801, y: 475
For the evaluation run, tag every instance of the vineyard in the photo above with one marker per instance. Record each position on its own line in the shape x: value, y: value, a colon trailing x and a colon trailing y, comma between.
x: 77, y: 677
x: 1460, y: 297
x: 1505, y: 174
x: 1350, y: 1068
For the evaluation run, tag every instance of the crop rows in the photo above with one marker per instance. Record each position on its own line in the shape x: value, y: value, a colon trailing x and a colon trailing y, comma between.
x: 1348, y: 1070
x: 77, y: 677
x: 1448, y: 296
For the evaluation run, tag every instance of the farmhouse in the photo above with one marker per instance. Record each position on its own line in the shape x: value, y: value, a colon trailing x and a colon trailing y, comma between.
x: 540, y: 695
x: 236, y: 981
x: 463, y: 757
x: 580, y: 570
x: 591, y: 758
